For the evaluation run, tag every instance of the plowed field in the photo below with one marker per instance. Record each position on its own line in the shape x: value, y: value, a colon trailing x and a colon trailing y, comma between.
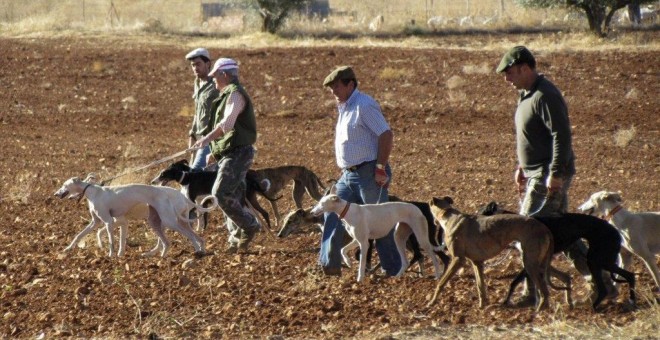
x: 70, y: 106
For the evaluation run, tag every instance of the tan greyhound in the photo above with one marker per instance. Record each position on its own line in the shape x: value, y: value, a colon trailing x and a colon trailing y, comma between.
x: 479, y: 238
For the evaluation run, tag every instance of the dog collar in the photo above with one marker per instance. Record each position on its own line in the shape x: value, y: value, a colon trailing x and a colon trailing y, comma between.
x: 83, y: 193
x: 183, y: 176
x: 614, y: 211
x: 343, y: 212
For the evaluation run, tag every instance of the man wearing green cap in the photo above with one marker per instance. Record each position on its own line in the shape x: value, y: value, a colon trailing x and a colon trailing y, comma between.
x: 363, y: 142
x: 545, y: 154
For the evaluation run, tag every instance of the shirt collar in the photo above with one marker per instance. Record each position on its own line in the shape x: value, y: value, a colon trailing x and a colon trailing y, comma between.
x: 535, y: 85
x: 350, y: 99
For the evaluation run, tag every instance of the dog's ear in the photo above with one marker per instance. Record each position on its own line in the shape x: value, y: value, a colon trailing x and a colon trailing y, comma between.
x: 183, y: 161
x: 448, y: 199
x: 489, y: 209
x: 613, y: 197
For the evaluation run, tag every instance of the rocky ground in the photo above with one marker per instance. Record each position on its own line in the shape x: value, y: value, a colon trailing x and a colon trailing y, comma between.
x: 70, y: 106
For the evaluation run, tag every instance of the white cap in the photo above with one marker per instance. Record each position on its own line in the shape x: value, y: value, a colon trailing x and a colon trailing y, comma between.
x: 223, y: 64
x: 198, y: 52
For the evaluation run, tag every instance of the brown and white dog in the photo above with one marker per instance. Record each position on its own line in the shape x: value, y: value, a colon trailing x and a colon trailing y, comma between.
x: 167, y: 207
x: 479, y: 238
x: 373, y: 221
x: 640, y: 231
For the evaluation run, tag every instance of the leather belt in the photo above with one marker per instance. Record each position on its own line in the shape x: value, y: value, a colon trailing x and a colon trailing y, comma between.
x: 355, y: 168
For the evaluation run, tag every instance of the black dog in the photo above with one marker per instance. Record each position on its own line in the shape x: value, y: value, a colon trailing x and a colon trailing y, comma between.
x: 604, y: 246
x: 199, y: 183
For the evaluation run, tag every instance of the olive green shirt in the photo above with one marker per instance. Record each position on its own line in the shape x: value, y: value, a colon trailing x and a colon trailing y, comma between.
x: 543, y: 131
x: 203, y: 95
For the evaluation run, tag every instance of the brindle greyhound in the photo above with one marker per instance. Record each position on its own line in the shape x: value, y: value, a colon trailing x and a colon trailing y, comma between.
x: 304, y: 180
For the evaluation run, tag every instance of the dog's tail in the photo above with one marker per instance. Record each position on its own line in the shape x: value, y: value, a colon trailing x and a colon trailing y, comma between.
x: 319, y: 182
x: 259, y: 186
x: 200, y: 207
x: 315, y: 187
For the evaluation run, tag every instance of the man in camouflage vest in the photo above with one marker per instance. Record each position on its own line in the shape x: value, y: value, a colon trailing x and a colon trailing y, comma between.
x: 232, y: 138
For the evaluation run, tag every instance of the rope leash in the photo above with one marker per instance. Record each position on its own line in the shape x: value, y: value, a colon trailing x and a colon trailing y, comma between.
x: 162, y: 160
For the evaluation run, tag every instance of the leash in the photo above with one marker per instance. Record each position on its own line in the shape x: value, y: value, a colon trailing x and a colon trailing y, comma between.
x: 162, y: 160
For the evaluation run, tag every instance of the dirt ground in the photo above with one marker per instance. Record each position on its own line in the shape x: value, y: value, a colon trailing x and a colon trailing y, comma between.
x: 70, y: 106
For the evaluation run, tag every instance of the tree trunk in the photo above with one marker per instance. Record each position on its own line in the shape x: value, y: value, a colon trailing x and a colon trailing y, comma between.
x: 595, y: 15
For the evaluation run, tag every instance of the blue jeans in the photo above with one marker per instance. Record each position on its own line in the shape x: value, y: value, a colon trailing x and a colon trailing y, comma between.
x: 199, y: 163
x: 358, y: 187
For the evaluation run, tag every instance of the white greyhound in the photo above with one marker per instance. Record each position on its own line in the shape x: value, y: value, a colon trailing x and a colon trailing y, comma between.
x: 166, y: 207
x: 640, y: 231
x: 373, y: 221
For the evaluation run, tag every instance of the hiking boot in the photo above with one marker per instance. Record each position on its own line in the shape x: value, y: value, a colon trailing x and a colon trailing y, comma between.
x: 525, y: 301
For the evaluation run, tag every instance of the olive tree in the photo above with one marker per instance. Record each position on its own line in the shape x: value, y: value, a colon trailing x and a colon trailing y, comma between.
x: 599, y: 12
x: 274, y: 12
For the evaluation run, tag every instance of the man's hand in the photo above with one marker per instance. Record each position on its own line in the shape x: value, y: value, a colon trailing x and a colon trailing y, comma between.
x: 210, y: 160
x: 381, y: 177
x: 200, y: 143
x: 554, y: 184
x: 520, y: 180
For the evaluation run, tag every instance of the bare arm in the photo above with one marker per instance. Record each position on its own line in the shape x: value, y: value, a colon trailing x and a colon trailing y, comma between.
x: 385, y: 144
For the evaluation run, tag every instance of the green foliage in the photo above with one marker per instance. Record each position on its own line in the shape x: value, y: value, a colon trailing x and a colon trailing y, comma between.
x: 275, y: 12
x: 598, y: 12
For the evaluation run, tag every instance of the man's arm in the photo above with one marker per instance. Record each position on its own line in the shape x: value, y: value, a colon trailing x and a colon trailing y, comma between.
x: 555, y: 116
x: 235, y: 104
x: 385, y: 144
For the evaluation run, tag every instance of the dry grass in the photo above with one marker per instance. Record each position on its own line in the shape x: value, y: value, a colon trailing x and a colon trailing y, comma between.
x: 43, y: 18
x: 624, y: 137
x: 478, y: 69
x: 186, y: 111
x: 21, y: 189
x: 389, y: 73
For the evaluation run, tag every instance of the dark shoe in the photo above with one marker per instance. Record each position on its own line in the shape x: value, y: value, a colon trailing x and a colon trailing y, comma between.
x: 525, y: 301
x: 334, y: 271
